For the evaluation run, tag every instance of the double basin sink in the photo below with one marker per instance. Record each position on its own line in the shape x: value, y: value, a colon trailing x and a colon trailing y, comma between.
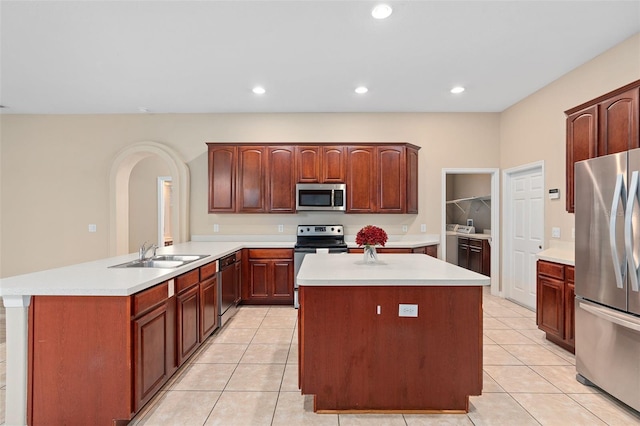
x: 162, y: 261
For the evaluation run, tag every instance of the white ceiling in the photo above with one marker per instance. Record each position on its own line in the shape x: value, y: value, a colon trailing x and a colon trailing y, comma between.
x: 79, y: 57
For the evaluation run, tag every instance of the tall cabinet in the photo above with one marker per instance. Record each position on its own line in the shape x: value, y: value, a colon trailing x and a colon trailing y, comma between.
x: 602, y: 126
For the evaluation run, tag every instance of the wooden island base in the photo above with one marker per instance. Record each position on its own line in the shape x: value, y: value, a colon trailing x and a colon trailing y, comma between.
x: 356, y: 354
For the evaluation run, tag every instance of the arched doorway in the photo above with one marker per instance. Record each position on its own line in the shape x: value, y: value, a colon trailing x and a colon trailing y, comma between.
x: 119, y: 175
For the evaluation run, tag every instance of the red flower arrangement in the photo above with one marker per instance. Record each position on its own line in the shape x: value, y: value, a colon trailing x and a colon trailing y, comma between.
x: 371, y: 236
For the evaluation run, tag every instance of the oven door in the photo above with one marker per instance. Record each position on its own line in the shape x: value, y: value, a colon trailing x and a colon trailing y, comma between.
x: 298, y: 256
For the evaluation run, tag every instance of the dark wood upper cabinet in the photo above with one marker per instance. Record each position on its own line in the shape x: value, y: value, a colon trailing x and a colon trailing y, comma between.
x: 582, y: 130
x: 320, y: 164
x: 252, y: 164
x: 605, y: 125
x: 333, y: 166
x: 392, y: 179
x: 412, y: 180
x: 619, y: 123
x: 362, y: 179
x: 255, y: 178
x: 222, y: 178
x: 281, y: 188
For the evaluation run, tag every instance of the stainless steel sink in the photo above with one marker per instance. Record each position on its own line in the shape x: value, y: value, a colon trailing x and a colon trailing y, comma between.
x: 166, y: 261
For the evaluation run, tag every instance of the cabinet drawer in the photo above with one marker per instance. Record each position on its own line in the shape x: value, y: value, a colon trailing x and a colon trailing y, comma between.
x: 475, y: 242
x: 147, y: 299
x: 551, y: 269
x: 185, y: 281
x: 271, y: 253
x: 570, y: 271
x: 463, y: 240
x: 208, y: 270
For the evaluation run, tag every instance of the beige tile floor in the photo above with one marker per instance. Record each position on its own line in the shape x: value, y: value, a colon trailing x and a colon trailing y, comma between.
x: 246, y: 374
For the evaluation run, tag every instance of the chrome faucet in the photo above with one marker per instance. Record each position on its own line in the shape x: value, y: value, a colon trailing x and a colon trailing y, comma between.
x: 142, y: 252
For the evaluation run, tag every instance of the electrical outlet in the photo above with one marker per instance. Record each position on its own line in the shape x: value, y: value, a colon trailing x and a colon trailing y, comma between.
x: 573, y: 233
x: 408, y: 310
x: 280, y: 228
x: 405, y: 228
x: 93, y: 227
x: 423, y: 227
x: 555, y: 232
x: 216, y: 227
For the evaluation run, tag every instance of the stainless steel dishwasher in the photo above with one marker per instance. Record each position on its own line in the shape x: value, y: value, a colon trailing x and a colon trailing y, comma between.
x: 228, y: 288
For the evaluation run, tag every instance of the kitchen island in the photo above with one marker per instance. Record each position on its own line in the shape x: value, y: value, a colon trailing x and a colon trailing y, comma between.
x: 403, y: 335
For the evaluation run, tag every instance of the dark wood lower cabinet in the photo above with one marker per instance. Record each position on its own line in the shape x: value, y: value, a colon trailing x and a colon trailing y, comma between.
x: 555, y: 294
x: 474, y: 254
x: 154, y: 353
x: 208, y: 307
x: 188, y: 323
x: 269, y: 278
x: 97, y: 360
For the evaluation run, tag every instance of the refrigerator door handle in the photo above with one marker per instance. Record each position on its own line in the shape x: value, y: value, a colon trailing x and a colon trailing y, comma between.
x: 611, y: 316
x: 628, y: 231
x: 618, y: 268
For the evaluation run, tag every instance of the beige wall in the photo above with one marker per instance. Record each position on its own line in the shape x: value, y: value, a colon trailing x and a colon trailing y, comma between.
x: 143, y: 201
x: 534, y: 129
x: 59, y: 166
x: 54, y: 169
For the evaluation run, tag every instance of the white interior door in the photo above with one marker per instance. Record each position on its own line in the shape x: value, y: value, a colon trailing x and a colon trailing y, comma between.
x: 525, y: 232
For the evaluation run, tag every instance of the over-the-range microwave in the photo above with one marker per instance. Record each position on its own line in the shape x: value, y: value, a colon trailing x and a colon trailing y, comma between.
x: 321, y: 196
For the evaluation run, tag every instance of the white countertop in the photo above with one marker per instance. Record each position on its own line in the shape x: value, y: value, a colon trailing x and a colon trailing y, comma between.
x: 478, y: 236
x: 558, y: 255
x: 97, y: 279
x: 392, y: 269
x: 412, y: 241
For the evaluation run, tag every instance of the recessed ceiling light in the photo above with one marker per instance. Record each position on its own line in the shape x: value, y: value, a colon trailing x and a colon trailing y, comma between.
x: 259, y: 90
x: 361, y: 90
x: 381, y: 11
x: 457, y: 89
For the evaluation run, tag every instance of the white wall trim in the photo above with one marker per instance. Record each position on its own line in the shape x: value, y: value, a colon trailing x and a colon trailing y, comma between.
x: 495, y: 219
x: 119, y: 175
x: 507, y: 176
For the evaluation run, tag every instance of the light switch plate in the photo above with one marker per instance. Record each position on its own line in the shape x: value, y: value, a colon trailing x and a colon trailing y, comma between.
x: 93, y: 227
x: 408, y: 310
x: 555, y: 232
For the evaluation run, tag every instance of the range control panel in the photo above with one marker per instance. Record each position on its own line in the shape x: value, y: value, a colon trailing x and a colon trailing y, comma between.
x: 320, y: 230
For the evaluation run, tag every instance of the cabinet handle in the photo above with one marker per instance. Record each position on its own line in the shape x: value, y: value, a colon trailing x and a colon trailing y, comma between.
x: 618, y: 267
x: 628, y: 231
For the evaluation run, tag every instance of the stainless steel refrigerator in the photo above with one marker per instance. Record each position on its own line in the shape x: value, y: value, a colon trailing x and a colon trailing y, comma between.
x: 607, y: 304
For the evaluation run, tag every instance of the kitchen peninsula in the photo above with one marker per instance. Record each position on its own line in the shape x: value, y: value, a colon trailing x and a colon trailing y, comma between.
x: 126, y: 290
x: 402, y: 335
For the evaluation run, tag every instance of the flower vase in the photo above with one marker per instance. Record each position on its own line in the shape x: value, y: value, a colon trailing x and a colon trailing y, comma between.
x: 370, y: 254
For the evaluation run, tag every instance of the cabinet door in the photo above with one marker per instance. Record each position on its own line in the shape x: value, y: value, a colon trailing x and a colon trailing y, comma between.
x: 463, y: 252
x: 308, y: 164
x: 150, y: 332
x: 432, y: 251
x: 238, y: 277
x: 392, y: 179
x: 258, y: 278
x: 251, y: 179
x: 582, y: 133
x: 208, y: 307
x: 187, y: 325
x: 550, y: 309
x: 475, y: 259
x: 282, y: 279
x: 618, y: 123
x: 361, y: 179
x: 333, y: 165
x: 569, y: 307
x: 281, y: 177
x: 222, y: 178
x: 412, y: 180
